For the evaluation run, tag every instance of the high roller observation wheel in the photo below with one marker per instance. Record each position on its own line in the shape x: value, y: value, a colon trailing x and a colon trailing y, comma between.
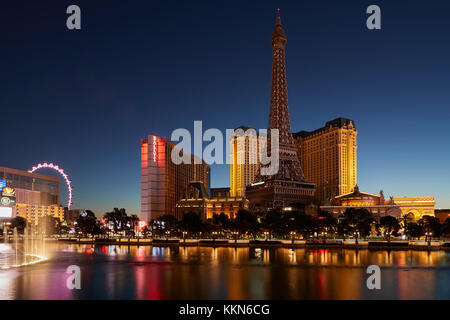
x: 55, y: 167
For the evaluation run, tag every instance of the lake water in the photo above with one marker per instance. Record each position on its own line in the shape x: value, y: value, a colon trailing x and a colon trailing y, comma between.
x: 122, y: 272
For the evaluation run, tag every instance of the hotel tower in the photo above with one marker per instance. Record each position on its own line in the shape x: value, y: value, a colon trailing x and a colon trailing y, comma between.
x: 244, y: 155
x: 328, y: 158
x: 162, y: 181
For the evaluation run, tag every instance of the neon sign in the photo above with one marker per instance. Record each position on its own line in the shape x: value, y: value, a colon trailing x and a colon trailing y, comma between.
x: 154, y: 148
x: 2, y: 184
x: 141, y: 225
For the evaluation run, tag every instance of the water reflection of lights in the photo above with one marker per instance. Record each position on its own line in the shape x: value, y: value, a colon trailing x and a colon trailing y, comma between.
x: 214, y: 256
x: 258, y: 253
x: 266, y: 255
x: 320, y: 256
x: 235, y: 255
x: 292, y: 256
x: 158, y: 251
x: 141, y: 252
x: 112, y: 250
x: 7, y: 284
x: 231, y: 273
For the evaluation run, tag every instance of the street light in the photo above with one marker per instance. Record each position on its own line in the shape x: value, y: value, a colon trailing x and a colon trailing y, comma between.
x: 356, y: 235
x: 428, y: 236
x: 266, y: 233
x: 167, y: 235
x: 235, y: 234
x: 292, y: 236
x: 324, y: 235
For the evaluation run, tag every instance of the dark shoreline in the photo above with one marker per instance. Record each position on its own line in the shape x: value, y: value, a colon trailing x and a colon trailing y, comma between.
x: 376, y: 245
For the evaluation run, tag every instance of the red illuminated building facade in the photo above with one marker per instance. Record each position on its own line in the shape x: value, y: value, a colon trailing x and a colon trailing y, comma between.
x: 162, y: 181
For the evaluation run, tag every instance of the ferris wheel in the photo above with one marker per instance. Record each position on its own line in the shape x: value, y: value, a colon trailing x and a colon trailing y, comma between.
x: 55, y: 167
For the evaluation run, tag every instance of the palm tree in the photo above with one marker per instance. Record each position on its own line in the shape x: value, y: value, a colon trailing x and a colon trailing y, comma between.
x: 275, y: 222
x: 413, y: 230
x: 303, y: 223
x: 118, y: 217
x: 431, y: 226
x: 191, y: 223
x: 133, y: 219
x: 390, y: 225
x: 86, y: 223
x: 221, y: 220
x: 169, y: 221
x: 326, y: 223
x: 357, y: 221
x: 246, y: 222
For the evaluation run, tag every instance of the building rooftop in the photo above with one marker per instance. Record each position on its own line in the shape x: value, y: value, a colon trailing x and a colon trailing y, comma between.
x: 338, y: 122
x: 28, y: 174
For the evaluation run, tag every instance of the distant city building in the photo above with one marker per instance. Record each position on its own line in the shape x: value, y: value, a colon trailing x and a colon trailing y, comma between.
x: 36, y: 195
x: 219, y: 192
x: 442, y: 214
x: 328, y: 158
x: 412, y: 207
x: 244, y: 160
x: 196, y: 199
x: 33, y: 212
x: 162, y: 181
x: 29, y: 197
x: 288, y: 185
x: 70, y: 216
x: 47, y: 186
x: 415, y: 207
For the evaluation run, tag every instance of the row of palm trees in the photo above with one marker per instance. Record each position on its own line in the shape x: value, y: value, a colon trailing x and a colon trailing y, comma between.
x: 115, y: 221
x: 354, y: 223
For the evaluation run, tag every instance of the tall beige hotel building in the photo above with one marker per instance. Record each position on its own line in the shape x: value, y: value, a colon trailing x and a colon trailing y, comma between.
x: 244, y: 157
x: 328, y: 158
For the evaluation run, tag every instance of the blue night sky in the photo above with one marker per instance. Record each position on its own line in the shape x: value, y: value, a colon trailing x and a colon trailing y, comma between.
x: 84, y: 99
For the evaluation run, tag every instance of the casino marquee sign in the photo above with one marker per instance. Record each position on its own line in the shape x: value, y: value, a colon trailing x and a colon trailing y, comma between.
x: 8, y: 197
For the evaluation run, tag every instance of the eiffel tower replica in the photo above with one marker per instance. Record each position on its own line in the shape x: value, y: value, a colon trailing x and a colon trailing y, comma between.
x: 288, y: 185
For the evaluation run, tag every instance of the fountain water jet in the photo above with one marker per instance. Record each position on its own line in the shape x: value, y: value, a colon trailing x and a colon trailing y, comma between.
x: 15, y: 253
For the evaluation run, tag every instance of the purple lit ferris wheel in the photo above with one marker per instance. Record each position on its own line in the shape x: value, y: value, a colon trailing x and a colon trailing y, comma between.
x: 55, y: 167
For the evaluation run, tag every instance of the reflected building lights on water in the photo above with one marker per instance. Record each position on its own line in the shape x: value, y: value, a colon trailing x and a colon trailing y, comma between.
x: 146, y: 272
x: 7, y: 284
